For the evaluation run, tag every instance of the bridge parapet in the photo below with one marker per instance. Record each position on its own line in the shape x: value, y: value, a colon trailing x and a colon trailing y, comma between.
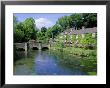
x: 30, y: 45
x: 21, y: 46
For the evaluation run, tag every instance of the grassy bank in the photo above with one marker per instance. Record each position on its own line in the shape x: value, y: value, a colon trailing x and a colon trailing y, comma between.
x: 84, y: 59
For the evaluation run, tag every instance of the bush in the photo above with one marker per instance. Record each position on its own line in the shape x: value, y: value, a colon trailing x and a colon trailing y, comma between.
x: 88, y: 41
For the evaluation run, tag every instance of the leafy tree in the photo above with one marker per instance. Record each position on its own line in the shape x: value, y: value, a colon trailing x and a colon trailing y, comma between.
x: 15, y: 21
x: 27, y: 29
x: 49, y: 33
x: 77, y: 20
x: 90, y: 20
x: 56, y: 29
x: 43, y: 29
x: 64, y: 22
x: 18, y: 35
x: 20, y: 26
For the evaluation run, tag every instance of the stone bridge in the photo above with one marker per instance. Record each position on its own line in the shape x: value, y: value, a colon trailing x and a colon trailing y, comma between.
x: 31, y: 45
x: 37, y: 45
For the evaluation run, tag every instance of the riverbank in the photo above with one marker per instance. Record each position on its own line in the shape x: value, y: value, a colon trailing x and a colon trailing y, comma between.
x: 86, y: 59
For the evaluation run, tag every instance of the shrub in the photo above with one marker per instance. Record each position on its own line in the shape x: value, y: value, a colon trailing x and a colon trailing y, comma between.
x: 88, y: 41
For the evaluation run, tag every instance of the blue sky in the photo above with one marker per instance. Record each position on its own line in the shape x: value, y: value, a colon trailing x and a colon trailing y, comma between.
x: 41, y: 19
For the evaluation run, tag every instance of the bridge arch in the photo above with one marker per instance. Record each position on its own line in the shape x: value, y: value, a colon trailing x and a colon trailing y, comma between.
x: 35, y: 48
x: 45, y: 48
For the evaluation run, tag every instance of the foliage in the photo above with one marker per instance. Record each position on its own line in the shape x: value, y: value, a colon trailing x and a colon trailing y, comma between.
x: 73, y: 38
x: 77, y: 20
x: 29, y: 31
x: 15, y: 21
x: 55, y: 30
x: 59, y: 45
x: 18, y: 35
x: 64, y: 22
x: 24, y: 31
x: 90, y: 20
x: 43, y: 29
x: 42, y: 35
x: 88, y: 41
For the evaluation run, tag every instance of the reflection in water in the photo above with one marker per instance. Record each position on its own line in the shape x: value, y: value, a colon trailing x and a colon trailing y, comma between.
x: 47, y: 63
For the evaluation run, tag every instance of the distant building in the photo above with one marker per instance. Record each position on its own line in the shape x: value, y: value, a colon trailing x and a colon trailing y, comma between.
x: 84, y: 31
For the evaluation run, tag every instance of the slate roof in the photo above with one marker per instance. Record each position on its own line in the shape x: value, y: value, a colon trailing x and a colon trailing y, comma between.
x: 83, y: 31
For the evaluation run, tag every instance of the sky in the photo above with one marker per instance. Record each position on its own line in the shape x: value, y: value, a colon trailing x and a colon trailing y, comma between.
x: 41, y: 19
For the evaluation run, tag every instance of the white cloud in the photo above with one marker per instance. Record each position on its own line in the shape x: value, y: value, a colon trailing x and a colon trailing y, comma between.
x: 43, y: 22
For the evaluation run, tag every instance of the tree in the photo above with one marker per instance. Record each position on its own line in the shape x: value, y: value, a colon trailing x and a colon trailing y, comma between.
x: 76, y: 20
x: 29, y: 29
x: 15, y: 21
x: 18, y: 32
x: 24, y: 31
x: 49, y: 32
x: 18, y: 35
x: 90, y: 19
x: 20, y: 26
x: 64, y: 22
x: 43, y: 29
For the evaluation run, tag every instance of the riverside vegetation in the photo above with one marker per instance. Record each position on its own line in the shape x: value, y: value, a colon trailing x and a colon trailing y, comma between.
x: 81, y: 55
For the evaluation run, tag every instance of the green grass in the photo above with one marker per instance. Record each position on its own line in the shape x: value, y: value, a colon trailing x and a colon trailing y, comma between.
x: 77, y: 51
x: 92, y: 73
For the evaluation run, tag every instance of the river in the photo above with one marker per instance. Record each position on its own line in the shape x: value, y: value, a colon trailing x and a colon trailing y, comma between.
x: 46, y: 63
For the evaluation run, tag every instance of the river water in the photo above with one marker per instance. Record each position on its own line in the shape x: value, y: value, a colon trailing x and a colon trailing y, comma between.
x: 46, y: 63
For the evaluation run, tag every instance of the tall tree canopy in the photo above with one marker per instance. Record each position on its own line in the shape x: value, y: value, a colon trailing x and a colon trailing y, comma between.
x: 26, y: 30
x: 90, y: 20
